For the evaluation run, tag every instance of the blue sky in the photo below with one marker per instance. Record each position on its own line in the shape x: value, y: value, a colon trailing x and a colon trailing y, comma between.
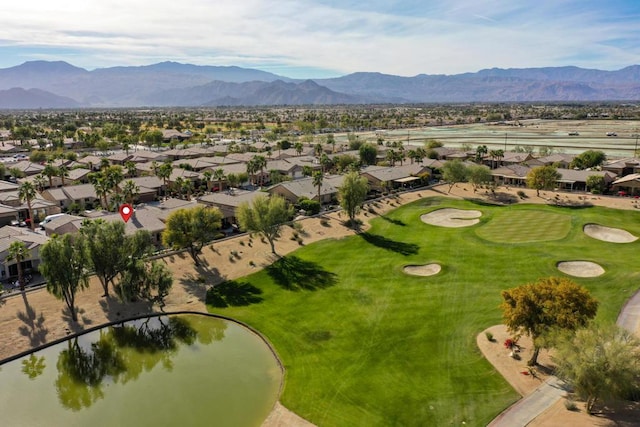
x: 324, y: 38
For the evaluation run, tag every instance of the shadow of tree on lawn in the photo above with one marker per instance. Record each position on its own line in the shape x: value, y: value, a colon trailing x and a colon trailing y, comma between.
x: 294, y: 274
x: 233, y: 294
x: 390, y: 245
x: 393, y: 221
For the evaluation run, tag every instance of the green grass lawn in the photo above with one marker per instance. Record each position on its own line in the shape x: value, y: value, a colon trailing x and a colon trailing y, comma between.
x: 365, y: 344
x: 526, y: 226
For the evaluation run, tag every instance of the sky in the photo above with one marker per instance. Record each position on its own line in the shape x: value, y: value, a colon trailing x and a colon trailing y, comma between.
x: 325, y: 38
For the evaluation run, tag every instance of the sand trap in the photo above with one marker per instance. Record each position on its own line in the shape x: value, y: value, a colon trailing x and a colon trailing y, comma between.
x: 580, y: 268
x: 422, y: 270
x: 454, y: 218
x: 608, y: 234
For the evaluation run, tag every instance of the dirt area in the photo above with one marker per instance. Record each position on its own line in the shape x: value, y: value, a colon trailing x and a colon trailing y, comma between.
x: 422, y: 270
x: 581, y: 268
x: 34, y: 318
x: 608, y: 234
x: 452, y: 218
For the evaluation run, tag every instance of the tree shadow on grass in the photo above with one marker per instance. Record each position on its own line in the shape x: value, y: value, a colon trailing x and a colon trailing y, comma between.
x: 393, y: 221
x: 295, y: 274
x: 233, y: 294
x: 390, y: 245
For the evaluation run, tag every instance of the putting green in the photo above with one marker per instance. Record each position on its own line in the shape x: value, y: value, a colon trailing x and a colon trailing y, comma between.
x: 525, y: 226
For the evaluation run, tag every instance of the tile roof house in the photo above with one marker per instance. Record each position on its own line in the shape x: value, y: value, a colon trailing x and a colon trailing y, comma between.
x: 294, y: 190
x: 228, y: 202
x: 381, y: 178
x: 33, y: 241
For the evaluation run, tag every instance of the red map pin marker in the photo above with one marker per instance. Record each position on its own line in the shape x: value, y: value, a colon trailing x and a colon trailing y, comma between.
x: 126, y: 211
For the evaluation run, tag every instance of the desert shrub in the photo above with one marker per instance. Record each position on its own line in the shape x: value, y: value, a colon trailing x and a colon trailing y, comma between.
x: 489, y: 336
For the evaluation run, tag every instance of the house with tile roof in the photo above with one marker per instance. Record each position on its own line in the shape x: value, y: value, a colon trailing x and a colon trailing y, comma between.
x: 33, y: 241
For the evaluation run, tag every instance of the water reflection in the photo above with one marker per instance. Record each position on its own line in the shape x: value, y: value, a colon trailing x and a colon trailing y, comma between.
x: 121, y: 354
x: 33, y: 367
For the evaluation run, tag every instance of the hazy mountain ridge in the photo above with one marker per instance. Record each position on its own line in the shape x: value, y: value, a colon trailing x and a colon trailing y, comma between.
x: 176, y: 84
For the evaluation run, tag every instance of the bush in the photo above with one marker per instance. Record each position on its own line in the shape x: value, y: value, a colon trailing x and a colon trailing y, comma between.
x: 522, y: 194
x: 311, y: 207
x: 570, y: 405
x: 489, y: 336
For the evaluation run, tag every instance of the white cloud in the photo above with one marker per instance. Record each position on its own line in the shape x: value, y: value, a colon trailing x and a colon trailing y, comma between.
x: 403, y: 37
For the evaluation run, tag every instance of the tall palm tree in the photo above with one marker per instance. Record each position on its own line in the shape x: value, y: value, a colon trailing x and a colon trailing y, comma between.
x: 261, y: 163
x: 298, y: 147
x: 113, y: 176
x: 18, y: 251
x: 27, y: 192
x: 50, y: 171
x: 130, y: 191
x: 187, y: 188
x: 218, y: 175
x: 40, y: 182
x: 208, y: 177
x: 63, y: 172
x: 252, y: 168
x: 164, y: 172
x: 101, y: 188
x: 318, y: 177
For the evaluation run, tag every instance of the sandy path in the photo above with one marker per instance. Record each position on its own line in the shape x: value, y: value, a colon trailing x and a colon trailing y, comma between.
x: 36, y: 317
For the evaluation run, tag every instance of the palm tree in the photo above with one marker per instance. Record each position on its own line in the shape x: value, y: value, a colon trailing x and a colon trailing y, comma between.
x: 208, y: 177
x: 113, y: 176
x: 481, y: 151
x: 164, y: 172
x: 218, y: 175
x: 27, y: 192
x: 40, y: 182
x: 101, y: 188
x: 298, y: 147
x: 325, y: 162
x: 252, y: 168
x: 318, y: 177
x: 18, y: 251
x: 261, y: 163
x: 131, y: 168
x: 187, y: 188
x: 130, y: 191
x: 50, y: 171
x: 63, y: 172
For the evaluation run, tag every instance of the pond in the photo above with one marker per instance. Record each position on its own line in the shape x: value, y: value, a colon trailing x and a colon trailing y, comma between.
x: 185, y: 369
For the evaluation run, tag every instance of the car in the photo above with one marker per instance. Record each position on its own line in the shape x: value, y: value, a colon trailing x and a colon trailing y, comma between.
x: 574, y: 133
x: 612, y: 134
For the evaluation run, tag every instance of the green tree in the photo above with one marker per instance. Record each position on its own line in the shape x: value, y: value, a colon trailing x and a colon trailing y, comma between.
x: 63, y: 172
x: 589, y: 159
x: 543, y: 178
x: 317, y: 179
x: 596, y: 184
x: 154, y: 137
x: 164, y: 172
x: 219, y: 176
x: 481, y: 151
x: 130, y: 191
x: 18, y: 251
x: 265, y: 216
x: 26, y: 193
x: 478, y: 175
x: 145, y: 280
x: 454, y: 171
x: 599, y: 362
x: 352, y: 194
x: 536, y: 309
x: 191, y: 229
x: 105, y: 249
x: 63, y: 265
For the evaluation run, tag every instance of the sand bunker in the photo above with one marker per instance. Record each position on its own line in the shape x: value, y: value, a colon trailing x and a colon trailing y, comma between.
x: 454, y: 218
x: 608, y: 234
x: 580, y: 268
x: 422, y: 270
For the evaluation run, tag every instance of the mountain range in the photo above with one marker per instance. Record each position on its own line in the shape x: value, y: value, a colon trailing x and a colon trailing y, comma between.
x: 57, y: 84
